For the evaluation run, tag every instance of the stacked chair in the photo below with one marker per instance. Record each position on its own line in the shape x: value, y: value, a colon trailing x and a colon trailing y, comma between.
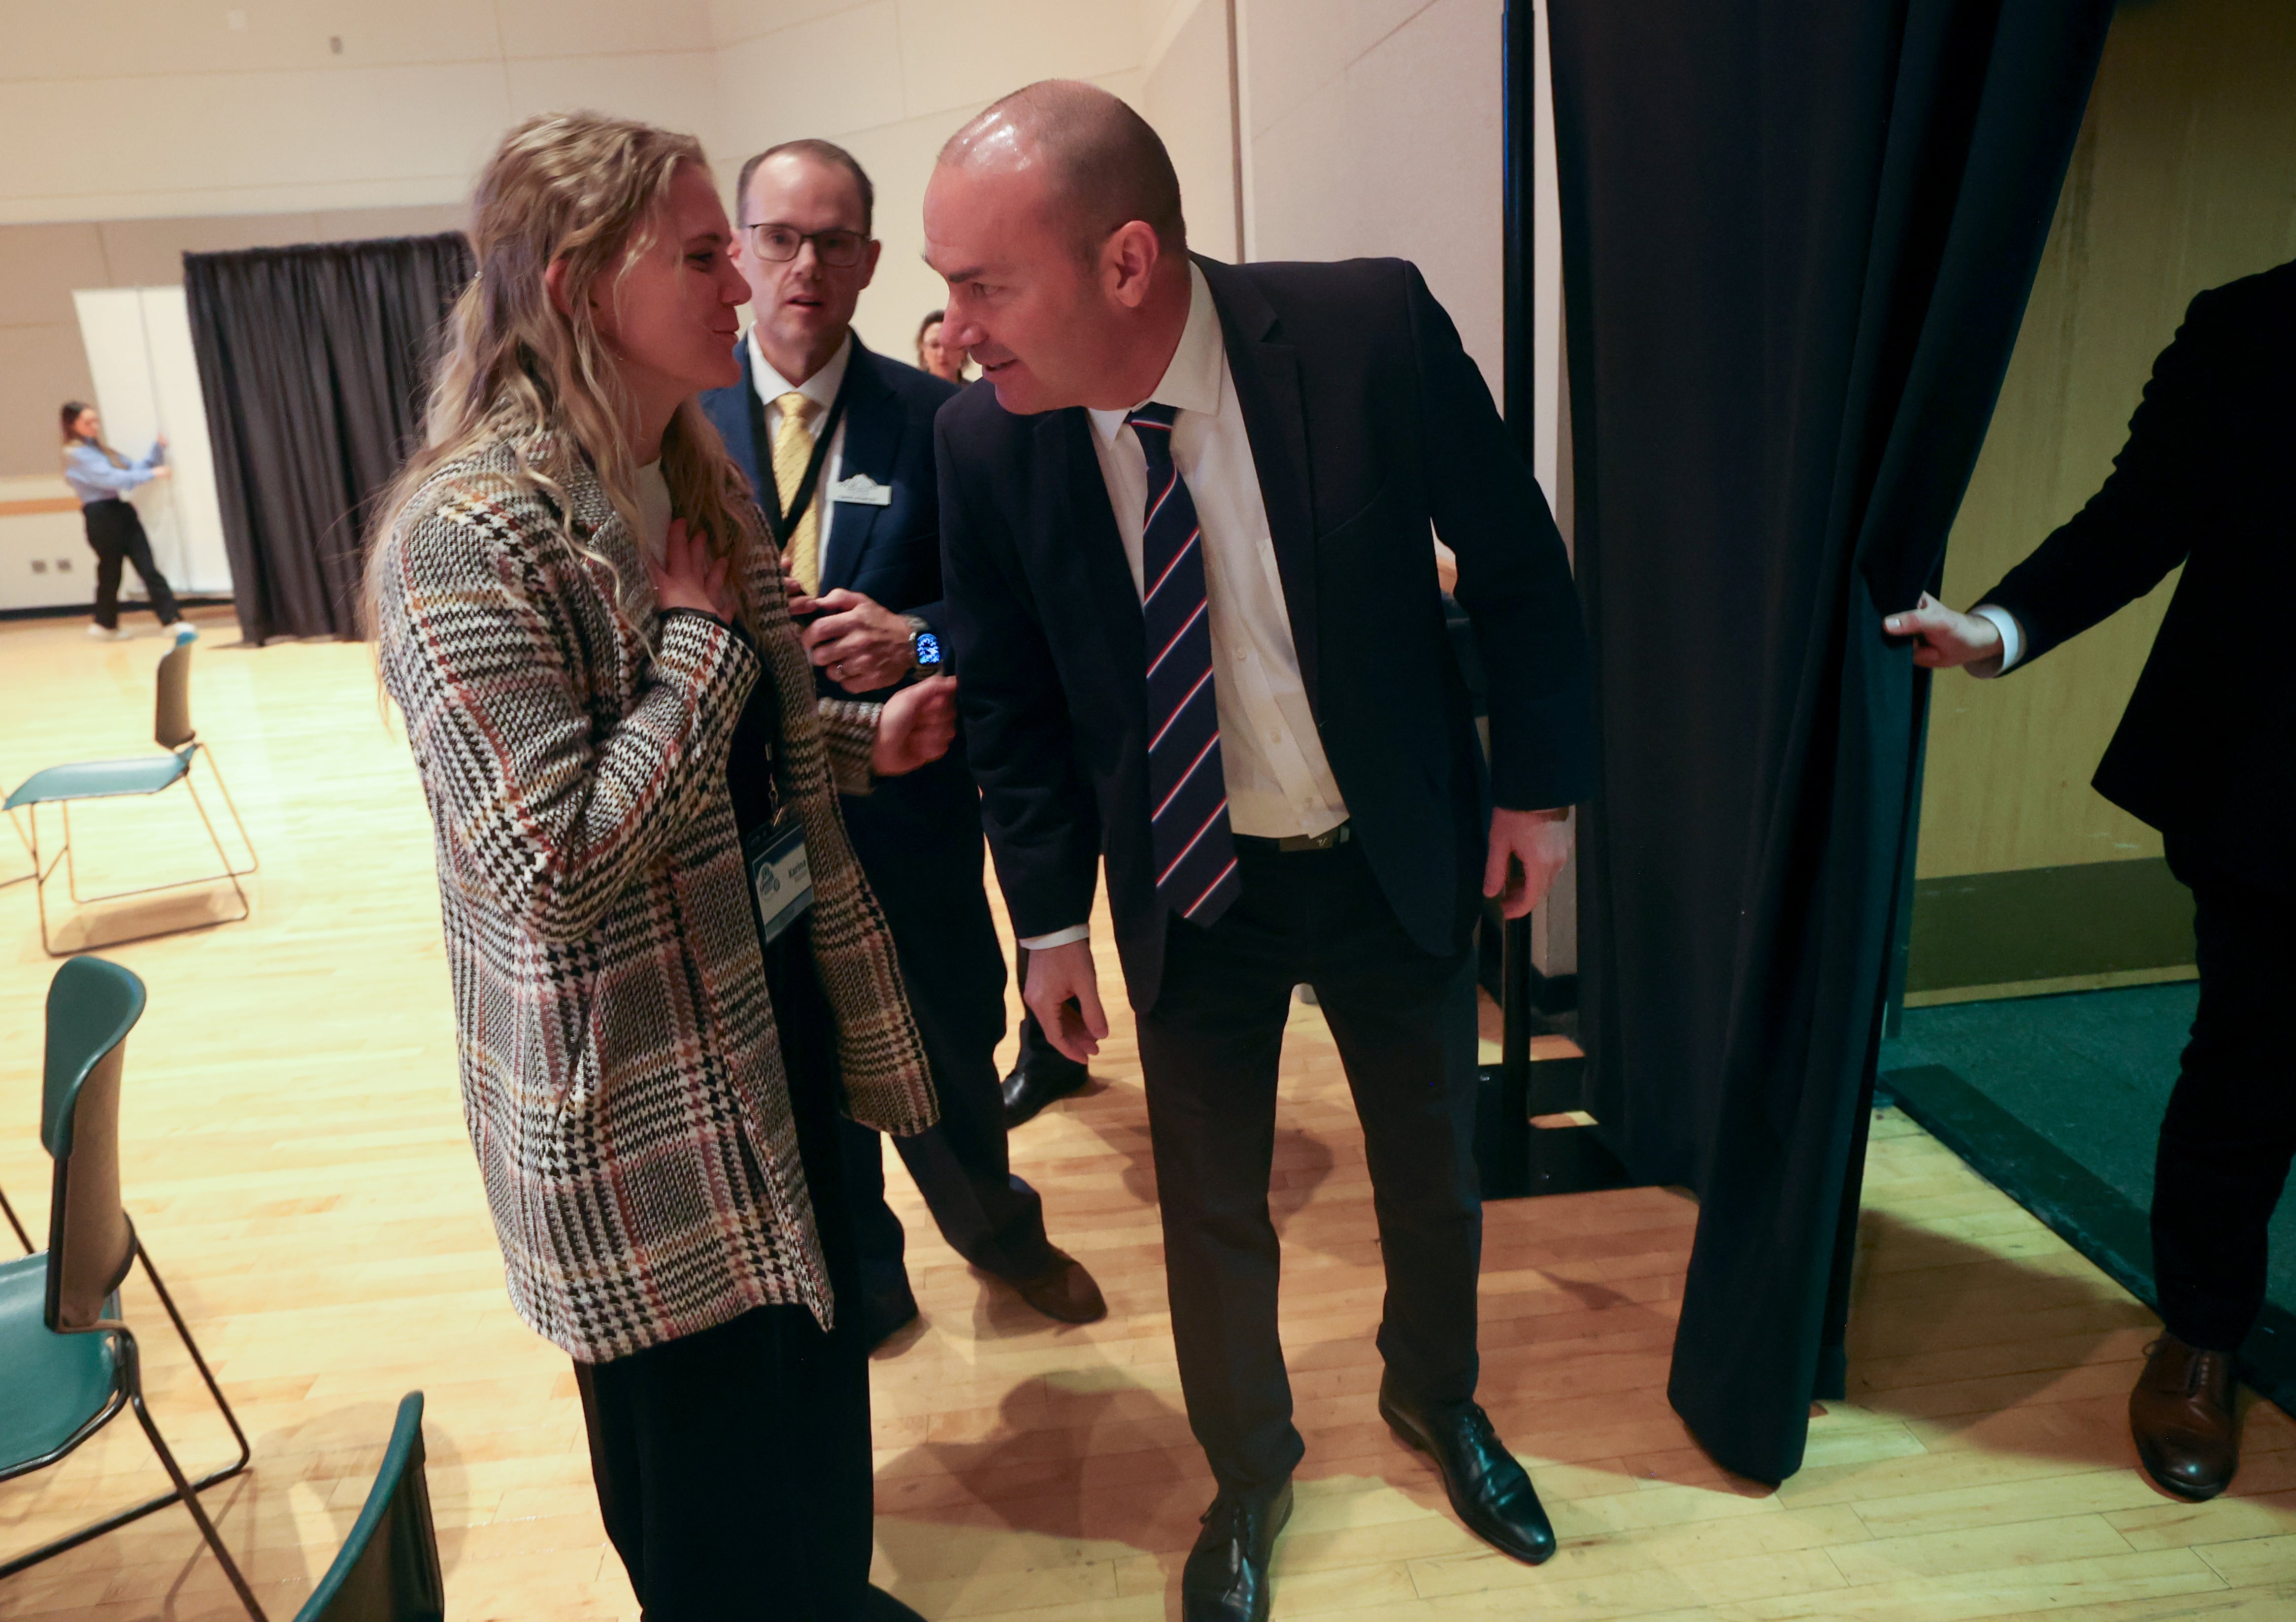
x: 70, y: 1362
x: 62, y: 785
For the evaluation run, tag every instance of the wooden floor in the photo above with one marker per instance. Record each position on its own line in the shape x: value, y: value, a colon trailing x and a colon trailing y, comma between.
x: 295, y: 1159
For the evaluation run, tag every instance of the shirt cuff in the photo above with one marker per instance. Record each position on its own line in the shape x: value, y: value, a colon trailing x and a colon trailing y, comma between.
x: 1058, y: 937
x: 2013, y: 639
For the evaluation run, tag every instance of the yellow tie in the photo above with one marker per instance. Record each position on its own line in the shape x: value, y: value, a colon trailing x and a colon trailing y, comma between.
x: 792, y: 449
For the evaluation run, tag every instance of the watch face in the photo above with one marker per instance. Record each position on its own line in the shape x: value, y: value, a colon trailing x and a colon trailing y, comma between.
x: 928, y: 647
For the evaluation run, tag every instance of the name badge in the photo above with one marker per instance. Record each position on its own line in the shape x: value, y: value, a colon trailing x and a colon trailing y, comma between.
x: 781, y: 877
x: 862, y: 490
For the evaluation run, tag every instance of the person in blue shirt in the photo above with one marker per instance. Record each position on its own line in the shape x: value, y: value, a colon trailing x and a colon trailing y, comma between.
x: 100, y: 477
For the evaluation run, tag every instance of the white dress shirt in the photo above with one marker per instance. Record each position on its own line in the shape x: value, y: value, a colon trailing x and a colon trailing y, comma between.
x: 654, y: 512
x: 1278, y: 781
x: 821, y: 388
x: 2013, y: 639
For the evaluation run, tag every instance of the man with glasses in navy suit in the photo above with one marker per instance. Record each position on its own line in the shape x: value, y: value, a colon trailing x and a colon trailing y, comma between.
x: 837, y: 442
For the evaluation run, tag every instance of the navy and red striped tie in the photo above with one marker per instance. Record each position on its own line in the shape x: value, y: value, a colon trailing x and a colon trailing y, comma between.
x: 1187, y: 791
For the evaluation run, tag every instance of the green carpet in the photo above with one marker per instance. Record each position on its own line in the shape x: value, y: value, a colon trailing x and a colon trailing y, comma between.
x: 2057, y: 1101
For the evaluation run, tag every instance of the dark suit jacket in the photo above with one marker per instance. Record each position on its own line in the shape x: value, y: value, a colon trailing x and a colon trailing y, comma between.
x: 1367, y: 421
x: 2206, y: 751
x: 919, y: 836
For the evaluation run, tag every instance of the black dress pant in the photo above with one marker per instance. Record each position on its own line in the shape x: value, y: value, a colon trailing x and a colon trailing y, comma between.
x: 733, y: 1466
x: 1404, y: 1023
x: 2230, y: 1129
x: 115, y: 532
x: 961, y: 1164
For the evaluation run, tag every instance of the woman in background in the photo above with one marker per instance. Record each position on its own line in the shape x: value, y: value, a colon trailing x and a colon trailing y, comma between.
x: 100, y: 477
x: 578, y: 613
x: 935, y: 357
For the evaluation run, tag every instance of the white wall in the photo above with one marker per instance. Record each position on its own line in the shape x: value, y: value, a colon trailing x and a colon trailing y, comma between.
x: 891, y: 80
x: 115, y: 109
x: 1375, y: 126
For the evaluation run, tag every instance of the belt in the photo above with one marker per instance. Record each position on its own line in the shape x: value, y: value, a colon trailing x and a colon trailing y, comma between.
x: 1292, y: 843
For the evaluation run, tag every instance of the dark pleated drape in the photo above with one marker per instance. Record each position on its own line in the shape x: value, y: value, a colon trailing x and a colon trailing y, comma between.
x: 313, y: 361
x: 1797, y: 240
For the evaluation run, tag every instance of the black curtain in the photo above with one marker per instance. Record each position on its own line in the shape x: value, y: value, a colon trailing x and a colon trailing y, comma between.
x: 314, y: 361
x: 1797, y: 240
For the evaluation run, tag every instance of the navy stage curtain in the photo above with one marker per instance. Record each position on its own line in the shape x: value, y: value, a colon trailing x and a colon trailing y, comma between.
x: 314, y: 362
x: 1798, y: 239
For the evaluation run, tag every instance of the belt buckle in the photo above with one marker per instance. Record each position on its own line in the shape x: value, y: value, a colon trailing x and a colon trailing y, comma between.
x: 1336, y: 835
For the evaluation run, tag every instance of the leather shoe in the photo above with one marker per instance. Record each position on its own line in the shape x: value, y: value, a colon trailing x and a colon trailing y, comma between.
x: 2181, y: 1415
x: 1063, y: 1291
x: 1226, y: 1578
x: 1037, y: 1080
x: 1488, y: 1488
x: 885, y: 1314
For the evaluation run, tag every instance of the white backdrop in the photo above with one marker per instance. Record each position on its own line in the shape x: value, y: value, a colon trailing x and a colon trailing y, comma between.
x: 147, y: 383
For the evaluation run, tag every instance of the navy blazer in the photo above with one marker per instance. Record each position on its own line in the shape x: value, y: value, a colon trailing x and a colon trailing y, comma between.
x: 1367, y: 422
x: 2207, y: 479
x: 918, y: 836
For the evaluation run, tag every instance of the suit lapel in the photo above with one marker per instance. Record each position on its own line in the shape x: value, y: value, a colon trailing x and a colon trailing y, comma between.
x: 1267, y: 374
x: 739, y: 428
x: 1080, y: 520
x: 873, y: 443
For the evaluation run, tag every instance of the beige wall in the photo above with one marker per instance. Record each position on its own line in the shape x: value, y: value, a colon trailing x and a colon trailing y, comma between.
x: 121, y: 109
x: 1184, y: 91
x: 891, y: 80
x: 41, y: 358
x: 1375, y: 126
x: 2185, y: 178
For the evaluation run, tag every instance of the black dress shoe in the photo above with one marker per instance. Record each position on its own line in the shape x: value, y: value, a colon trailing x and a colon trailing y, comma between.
x: 1490, y: 1491
x: 1226, y: 1578
x: 878, y: 1606
x: 885, y: 1314
x: 1037, y: 1081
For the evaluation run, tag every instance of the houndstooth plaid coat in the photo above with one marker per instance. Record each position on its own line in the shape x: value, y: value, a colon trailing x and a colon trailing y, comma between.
x: 621, y: 1076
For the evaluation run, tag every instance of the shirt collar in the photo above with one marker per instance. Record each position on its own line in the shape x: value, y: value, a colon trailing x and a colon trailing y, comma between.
x: 821, y: 388
x: 1192, y: 382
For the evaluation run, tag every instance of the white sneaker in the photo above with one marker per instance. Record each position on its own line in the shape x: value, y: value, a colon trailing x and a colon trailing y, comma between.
x: 184, y: 631
x: 113, y: 633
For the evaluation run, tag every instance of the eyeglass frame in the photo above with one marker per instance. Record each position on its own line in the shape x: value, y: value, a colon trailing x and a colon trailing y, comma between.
x: 861, y: 240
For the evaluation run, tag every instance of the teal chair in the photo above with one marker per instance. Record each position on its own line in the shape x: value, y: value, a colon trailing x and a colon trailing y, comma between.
x: 62, y: 785
x: 68, y: 1363
x: 388, y: 1568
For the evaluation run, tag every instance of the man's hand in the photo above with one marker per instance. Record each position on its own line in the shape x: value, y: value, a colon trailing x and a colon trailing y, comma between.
x: 863, y: 646
x: 916, y: 727
x: 1947, y: 639
x: 1527, y: 849
x: 1063, y: 992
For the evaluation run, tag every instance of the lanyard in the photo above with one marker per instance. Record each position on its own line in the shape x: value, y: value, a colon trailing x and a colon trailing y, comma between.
x: 783, y: 524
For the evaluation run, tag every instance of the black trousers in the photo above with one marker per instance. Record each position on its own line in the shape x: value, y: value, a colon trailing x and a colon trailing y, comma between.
x: 115, y: 532
x: 962, y: 1165
x: 733, y: 1465
x: 1404, y: 1023
x: 2230, y: 1128
x: 954, y: 974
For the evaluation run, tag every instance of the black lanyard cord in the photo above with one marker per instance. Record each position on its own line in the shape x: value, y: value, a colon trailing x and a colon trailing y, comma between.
x: 783, y: 523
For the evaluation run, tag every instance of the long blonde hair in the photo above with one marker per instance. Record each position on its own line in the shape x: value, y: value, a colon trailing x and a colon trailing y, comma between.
x: 588, y: 190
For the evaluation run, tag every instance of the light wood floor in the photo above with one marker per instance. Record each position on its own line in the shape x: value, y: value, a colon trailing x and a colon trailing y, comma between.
x: 295, y: 1159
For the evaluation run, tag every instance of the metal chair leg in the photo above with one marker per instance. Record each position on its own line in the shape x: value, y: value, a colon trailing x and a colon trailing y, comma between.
x: 187, y: 1492
x: 15, y: 1221
x: 231, y: 873
x: 254, y: 862
x: 26, y: 844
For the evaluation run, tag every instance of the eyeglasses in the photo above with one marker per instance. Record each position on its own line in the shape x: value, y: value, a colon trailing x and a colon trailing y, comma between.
x: 782, y: 243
